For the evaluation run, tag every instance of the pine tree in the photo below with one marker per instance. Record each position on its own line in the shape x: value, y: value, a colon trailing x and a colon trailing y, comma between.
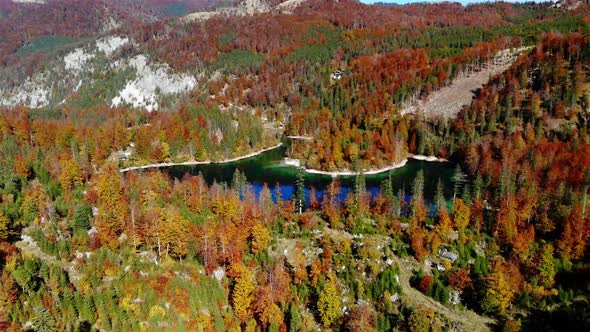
x: 387, y: 190
x: 239, y: 183
x: 478, y: 186
x: 82, y: 216
x: 418, y: 208
x: 300, y: 190
x: 458, y: 179
x: 295, y: 320
x: 42, y: 321
x: 439, y: 197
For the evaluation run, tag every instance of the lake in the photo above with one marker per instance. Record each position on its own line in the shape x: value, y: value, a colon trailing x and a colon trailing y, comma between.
x: 268, y: 168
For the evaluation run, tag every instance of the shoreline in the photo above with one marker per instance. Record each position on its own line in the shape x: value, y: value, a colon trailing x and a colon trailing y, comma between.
x: 427, y: 158
x: 204, y: 162
x: 291, y: 162
x: 301, y: 138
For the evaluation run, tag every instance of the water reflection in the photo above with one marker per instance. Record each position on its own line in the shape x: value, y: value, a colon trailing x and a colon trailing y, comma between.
x: 267, y: 168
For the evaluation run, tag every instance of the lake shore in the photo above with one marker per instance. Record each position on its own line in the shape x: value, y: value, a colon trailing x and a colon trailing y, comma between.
x: 296, y: 163
x: 427, y: 158
x: 204, y: 162
x: 301, y: 138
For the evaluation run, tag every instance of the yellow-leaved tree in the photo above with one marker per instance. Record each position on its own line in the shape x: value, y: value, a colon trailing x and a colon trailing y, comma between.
x: 461, y: 215
x: 70, y: 176
x: 329, y: 302
x: 242, y: 295
x: 112, y: 206
x: 546, y: 266
x: 260, y: 238
x: 4, y: 231
x: 502, y: 285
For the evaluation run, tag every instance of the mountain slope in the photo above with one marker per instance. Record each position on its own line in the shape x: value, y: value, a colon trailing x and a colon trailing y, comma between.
x: 109, y: 72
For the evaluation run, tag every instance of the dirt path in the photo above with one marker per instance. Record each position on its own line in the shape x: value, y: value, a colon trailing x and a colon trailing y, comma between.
x: 468, y: 319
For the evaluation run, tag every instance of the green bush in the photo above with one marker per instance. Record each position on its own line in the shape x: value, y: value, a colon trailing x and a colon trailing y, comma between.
x: 239, y: 60
x: 44, y: 44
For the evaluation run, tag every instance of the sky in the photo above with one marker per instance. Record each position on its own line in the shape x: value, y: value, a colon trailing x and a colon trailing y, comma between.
x: 410, y: 1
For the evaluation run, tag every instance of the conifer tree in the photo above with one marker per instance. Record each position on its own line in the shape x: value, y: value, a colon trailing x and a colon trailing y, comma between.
x: 458, y: 179
x: 300, y: 190
x: 439, y: 197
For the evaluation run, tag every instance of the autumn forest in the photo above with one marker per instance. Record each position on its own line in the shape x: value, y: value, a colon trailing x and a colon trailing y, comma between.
x: 99, y: 99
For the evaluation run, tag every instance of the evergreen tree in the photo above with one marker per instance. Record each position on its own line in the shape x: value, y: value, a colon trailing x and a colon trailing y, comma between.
x: 42, y: 321
x: 295, y: 320
x: 458, y: 179
x: 82, y: 217
x: 359, y: 189
x: 389, y: 195
x: 300, y: 190
x: 466, y: 196
x: 418, y: 193
x: 239, y: 183
x: 439, y: 197
x: 478, y: 186
x: 387, y: 189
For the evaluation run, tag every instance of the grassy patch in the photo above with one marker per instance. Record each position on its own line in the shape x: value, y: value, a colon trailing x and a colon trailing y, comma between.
x: 239, y: 60
x: 102, y: 90
x: 175, y: 9
x: 46, y: 114
x: 44, y: 44
x: 318, y: 52
x: 226, y: 38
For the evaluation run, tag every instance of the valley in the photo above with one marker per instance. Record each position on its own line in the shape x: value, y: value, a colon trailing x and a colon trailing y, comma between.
x: 294, y: 165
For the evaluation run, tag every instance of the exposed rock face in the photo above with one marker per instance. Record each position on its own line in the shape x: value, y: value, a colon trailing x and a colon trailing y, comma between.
x: 571, y: 4
x: 251, y: 7
x: 32, y: 93
x: 148, y: 81
x: 109, y: 45
x: 247, y: 7
x: 289, y: 5
x: 151, y: 79
x: 77, y: 60
x: 30, y: 1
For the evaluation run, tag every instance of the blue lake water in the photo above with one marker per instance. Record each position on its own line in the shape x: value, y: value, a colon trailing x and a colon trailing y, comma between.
x: 267, y: 168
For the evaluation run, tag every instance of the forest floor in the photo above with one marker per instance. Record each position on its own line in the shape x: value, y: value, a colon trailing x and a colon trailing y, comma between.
x: 469, y: 320
x: 448, y: 101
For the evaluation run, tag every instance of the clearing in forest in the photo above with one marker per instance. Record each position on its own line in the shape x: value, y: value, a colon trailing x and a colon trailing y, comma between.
x: 448, y: 101
x: 467, y: 319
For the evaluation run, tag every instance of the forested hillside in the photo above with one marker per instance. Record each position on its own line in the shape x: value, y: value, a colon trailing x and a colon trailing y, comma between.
x: 89, y: 241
